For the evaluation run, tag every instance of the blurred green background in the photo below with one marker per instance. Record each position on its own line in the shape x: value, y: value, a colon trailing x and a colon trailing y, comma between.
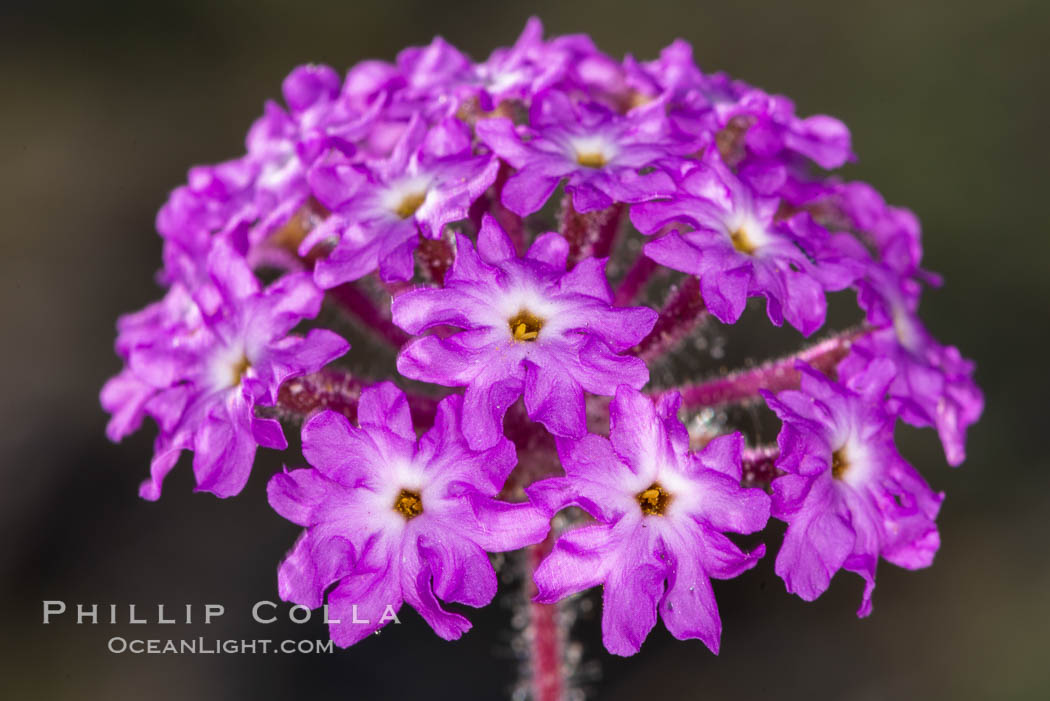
x: 104, y: 107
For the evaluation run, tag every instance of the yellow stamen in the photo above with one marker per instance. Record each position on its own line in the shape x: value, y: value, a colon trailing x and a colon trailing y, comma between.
x: 839, y: 464
x: 240, y: 367
x: 591, y: 159
x: 741, y: 242
x: 410, y: 204
x: 408, y: 504
x: 653, y: 500
x: 525, y: 326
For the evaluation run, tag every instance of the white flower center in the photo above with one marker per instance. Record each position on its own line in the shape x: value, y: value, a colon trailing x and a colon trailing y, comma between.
x: 592, y: 151
x: 406, y: 196
x: 229, y: 366
x: 746, y: 233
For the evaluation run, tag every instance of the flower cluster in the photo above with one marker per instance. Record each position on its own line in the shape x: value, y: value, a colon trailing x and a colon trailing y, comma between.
x: 530, y: 234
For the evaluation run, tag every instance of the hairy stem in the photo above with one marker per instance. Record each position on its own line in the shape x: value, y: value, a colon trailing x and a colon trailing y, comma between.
x: 774, y: 376
x: 436, y: 257
x: 353, y: 300
x: 683, y: 311
x: 591, y: 233
x: 546, y: 638
x: 640, y: 272
x: 337, y: 389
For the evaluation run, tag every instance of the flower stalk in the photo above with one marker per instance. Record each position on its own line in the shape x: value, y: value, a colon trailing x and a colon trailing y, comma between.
x: 773, y: 376
x: 360, y: 306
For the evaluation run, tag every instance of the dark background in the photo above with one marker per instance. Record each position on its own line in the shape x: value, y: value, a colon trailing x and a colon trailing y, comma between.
x: 104, y: 106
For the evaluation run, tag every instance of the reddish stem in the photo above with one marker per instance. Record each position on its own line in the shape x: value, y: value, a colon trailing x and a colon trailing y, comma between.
x: 510, y: 222
x: 681, y: 314
x: 337, y: 389
x: 774, y: 376
x: 352, y: 299
x: 436, y: 257
x: 545, y: 643
x: 330, y: 388
x: 640, y: 272
x: 760, y: 466
x: 590, y: 233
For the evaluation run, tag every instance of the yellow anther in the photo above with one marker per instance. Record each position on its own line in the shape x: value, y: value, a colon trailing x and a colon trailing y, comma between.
x: 525, y: 326
x: 410, y: 204
x: 653, y: 500
x: 408, y: 504
x: 591, y: 159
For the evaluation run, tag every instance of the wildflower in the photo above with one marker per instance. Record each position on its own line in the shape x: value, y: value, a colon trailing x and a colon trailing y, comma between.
x: 382, y: 206
x: 934, y: 384
x: 662, y: 512
x: 737, y: 249
x: 598, y: 153
x: 848, y: 497
x: 202, y: 380
x: 528, y: 328
x: 392, y: 520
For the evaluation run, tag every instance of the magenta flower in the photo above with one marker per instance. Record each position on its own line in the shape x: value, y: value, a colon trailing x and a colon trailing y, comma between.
x: 201, y: 381
x: 381, y: 207
x: 934, y: 384
x: 774, y: 128
x: 737, y: 249
x: 773, y: 135
x: 340, y: 180
x: 435, y: 73
x: 215, y: 202
x: 848, y: 496
x: 662, y: 512
x: 390, y: 519
x: 265, y: 187
x: 517, y: 72
x: 893, y: 231
x: 130, y: 394
x: 528, y: 327
x: 599, y: 153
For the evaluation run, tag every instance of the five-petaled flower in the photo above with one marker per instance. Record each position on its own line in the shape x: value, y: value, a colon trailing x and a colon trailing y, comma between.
x: 203, y: 375
x: 737, y: 249
x: 662, y: 512
x: 391, y: 519
x: 934, y: 384
x: 382, y: 206
x: 599, y: 153
x: 848, y: 496
x: 528, y: 327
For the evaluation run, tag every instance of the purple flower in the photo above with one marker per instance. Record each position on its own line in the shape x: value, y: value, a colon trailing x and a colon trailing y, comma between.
x: 598, y: 152
x: 934, y: 384
x: 438, y: 75
x: 774, y: 128
x: 528, y: 328
x: 661, y: 513
x: 391, y: 520
x: 216, y: 201
x: 129, y: 395
x: 675, y: 73
x: 893, y: 231
x: 380, y: 207
x: 518, y: 72
x: 264, y: 188
x: 202, y: 376
x: 848, y: 497
x: 772, y: 133
x: 738, y: 250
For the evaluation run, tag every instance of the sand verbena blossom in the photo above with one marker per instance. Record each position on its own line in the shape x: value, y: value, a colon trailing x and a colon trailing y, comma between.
x: 541, y: 259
